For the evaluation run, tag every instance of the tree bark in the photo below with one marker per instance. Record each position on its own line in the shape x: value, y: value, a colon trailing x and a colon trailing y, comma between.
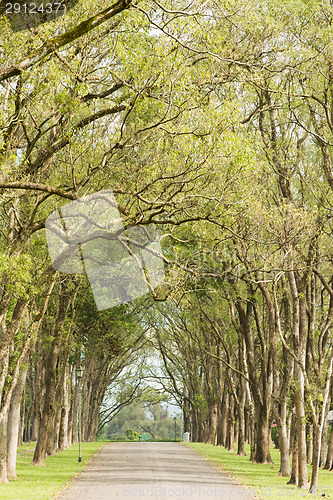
x: 13, y: 426
x: 323, y: 451
x: 263, y: 455
x: 195, y: 426
x: 319, y: 422
x: 64, y: 417
x: 75, y: 409
x: 329, y: 459
x: 303, y: 481
x: 299, y: 329
x: 50, y: 380
x: 316, y: 457
x: 222, y: 434
x: 3, y: 450
x: 246, y: 425
x: 231, y: 424
x: 283, y: 442
x: 212, y: 424
x: 241, y: 433
x: 309, y: 440
x: 294, y: 447
x: 261, y: 397
x: 241, y: 401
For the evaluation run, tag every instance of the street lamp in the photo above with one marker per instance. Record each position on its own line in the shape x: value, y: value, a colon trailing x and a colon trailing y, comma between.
x: 79, y: 375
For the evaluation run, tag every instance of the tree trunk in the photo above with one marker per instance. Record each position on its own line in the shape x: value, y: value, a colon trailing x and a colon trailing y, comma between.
x: 13, y: 426
x: 246, y: 425
x: 299, y: 331
x: 53, y: 431
x: 236, y: 427
x: 303, y: 481
x: 283, y: 442
x: 35, y: 426
x: 329, y: 459
x: 37, y: 392
x: 222, y: 434
x: 316, y: 457
x: 212, y: 424
x: 201, y: 429
x: 263, y: 455
x: 57, y: 421
x: 27, y: 428
x: 252, y: 439
x: 186, y: 415
x: 22, y: 416
x: 252, y: 428
x: 309, y: 441
x: 40, y: 450
x: 75, y: 409
x: 231, y: 424
x: 70, y: 409
x: 63, y: 431
x: 3, y: 450
x: 260, y: 393
x: 318, y: 429
x: 323, y: 448
x: 50, y: 380
x: 91, y: 429
x: 294, y: 446
x: 195, y: 426
x: 50, y: 437
x: 241, y: 425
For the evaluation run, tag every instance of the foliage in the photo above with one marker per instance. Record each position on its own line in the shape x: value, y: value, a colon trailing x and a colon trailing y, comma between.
x: 144, y: 417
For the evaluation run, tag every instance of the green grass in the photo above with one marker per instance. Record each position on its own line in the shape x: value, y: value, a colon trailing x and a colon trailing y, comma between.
x: 41, y: 483
x: 263, y: 480
x: 26, y: 447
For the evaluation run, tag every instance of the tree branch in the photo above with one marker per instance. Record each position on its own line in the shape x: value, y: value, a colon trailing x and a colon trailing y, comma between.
x: 60, y: 41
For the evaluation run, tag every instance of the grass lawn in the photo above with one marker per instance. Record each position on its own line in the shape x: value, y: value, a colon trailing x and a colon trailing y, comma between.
x: 41, y: 483
x: 263, y: 480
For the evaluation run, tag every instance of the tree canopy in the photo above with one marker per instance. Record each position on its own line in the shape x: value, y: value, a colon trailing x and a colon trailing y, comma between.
x: 211, y: 122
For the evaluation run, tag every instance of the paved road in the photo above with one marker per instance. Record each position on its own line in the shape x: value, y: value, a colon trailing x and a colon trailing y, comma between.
x: 161, y: 471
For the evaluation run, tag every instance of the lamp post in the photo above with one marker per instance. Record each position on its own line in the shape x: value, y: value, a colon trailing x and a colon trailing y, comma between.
x: 175, y: 420
x: 79, y: 375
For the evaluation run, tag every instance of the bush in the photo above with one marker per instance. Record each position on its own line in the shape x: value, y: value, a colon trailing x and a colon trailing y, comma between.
x: 275, y: 437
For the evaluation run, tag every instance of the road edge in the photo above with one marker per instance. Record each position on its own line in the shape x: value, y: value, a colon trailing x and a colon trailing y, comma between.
x: 226, y: 472
x: 68, y: 483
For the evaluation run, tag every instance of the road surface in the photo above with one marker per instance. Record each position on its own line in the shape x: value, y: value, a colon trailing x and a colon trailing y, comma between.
x: 161, y: 471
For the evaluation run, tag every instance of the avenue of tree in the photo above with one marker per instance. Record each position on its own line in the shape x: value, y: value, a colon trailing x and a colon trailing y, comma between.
x: 214, y: 122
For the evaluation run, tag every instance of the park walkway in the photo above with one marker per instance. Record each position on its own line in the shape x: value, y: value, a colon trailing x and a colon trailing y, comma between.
x: 162, y: 471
